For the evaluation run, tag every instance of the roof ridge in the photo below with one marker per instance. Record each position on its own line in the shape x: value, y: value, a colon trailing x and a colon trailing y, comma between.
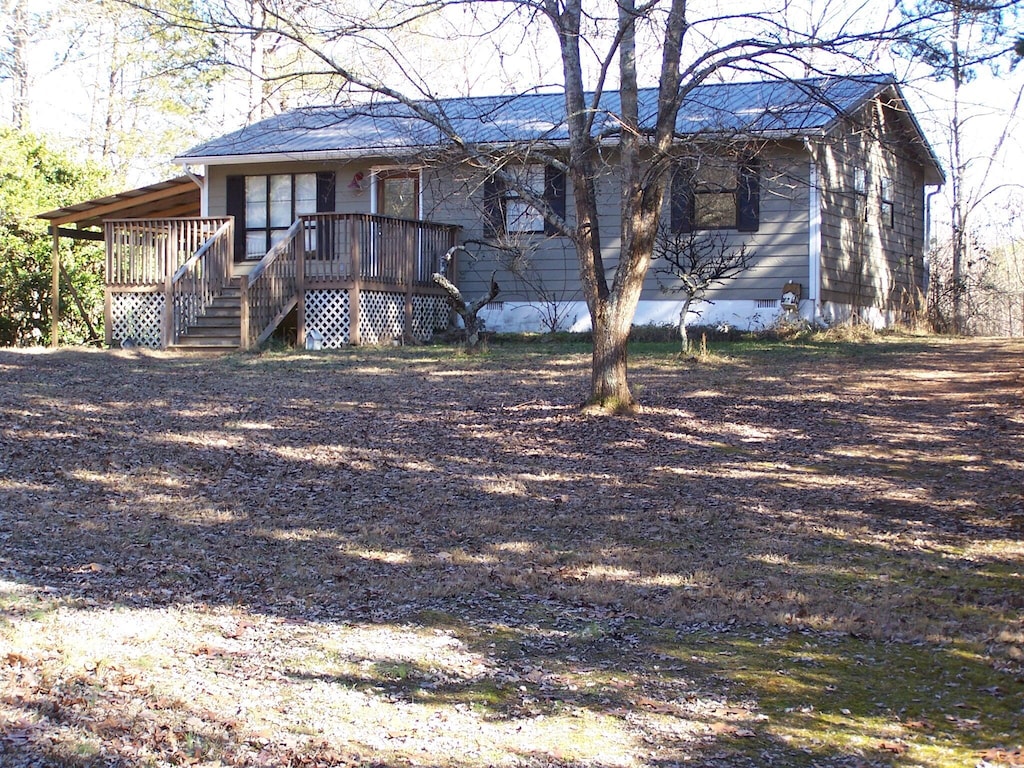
x: 879, y: 78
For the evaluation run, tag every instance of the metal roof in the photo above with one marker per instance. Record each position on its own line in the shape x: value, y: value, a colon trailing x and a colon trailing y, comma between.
x: 166, y: 199
x: 783, y: 107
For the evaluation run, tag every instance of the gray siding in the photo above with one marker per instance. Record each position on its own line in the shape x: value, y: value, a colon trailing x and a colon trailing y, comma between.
x: 865, y: 261
x: 545, y: 268
x: 346, y: 200
x: 550, y: 268
x: 779, y: 248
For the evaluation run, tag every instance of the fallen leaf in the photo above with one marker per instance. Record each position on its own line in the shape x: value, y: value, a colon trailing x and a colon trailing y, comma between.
x: 896, y: 747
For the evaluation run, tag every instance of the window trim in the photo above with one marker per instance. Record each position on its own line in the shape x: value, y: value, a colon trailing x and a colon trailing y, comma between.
x: 380, y: 179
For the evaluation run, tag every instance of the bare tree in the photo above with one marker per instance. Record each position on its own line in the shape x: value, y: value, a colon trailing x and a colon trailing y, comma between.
x: 692, y: 263
x: 468, y: 310
x: 19, y: 31
x: 970, y: 35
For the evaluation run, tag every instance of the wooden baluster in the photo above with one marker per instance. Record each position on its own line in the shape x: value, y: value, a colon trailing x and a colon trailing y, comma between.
x: 357, y: 227
x: 409, y: 270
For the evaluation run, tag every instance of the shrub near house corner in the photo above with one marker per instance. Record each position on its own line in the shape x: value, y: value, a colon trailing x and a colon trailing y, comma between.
x: 35, y: 178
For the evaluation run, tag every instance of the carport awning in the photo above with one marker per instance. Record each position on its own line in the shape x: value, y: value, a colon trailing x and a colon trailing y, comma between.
x: 166, y: 199
x: 174, y: 198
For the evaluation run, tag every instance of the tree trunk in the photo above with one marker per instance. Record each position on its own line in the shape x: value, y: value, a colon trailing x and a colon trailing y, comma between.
x: 609, y: 386
x: 683, y: 335
x: 19, y: 42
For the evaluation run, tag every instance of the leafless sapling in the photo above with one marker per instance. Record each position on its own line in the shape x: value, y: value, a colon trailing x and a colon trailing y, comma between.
x: 468, y: 311
x: 691, y: 263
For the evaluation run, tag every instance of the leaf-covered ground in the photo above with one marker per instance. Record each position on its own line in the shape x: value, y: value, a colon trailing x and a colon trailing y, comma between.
x: 808, y: 555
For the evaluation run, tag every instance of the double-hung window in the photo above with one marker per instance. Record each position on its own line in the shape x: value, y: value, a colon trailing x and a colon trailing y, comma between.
x: 886, y: 201
x: 265, y: 207
x: 507, y: 207
x: 860, y: 194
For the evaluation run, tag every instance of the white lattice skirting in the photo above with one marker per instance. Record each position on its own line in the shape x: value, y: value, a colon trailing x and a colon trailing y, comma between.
x: 381, y: 316
x: 429, y: 314
x: 137, y: 316
x: 327, y: 311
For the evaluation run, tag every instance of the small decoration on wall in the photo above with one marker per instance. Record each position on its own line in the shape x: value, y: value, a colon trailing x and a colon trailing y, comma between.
x: 356, y: 185
x: 791, y: 297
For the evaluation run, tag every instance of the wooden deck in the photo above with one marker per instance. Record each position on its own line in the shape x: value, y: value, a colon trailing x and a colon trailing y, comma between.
x: 352, y: 278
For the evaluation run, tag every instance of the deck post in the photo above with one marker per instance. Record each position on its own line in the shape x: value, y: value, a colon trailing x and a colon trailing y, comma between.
x: 108, y: 298
x: 168, y: 325
x: 244, y: 299
x: 55, y: 289
x: 300, y: 287
x: 410, y: 275
x: 355, y: 254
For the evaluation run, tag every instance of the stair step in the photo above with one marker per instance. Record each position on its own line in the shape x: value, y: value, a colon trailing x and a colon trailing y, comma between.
x: 222, y: 342
x: 222, y: 313
x: 206, y: 332
x: 218, y: 329
x: 217, y: 321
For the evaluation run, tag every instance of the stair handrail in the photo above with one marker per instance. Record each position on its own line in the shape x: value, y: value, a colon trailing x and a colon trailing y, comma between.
x: 203, y: 249
x: 271, y: 289
x: 197, y: 282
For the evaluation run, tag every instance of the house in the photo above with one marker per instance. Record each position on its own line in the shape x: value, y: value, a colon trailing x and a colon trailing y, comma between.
x: 336, y: 217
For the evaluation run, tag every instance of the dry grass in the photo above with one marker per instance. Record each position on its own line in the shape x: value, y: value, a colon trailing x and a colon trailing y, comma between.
x: 794, y: 555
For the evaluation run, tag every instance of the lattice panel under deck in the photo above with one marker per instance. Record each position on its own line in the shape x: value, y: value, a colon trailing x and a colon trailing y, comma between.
x: 137, y: 316
x: 381, y: 316
x: 327, y: 311
x: 429, y: 313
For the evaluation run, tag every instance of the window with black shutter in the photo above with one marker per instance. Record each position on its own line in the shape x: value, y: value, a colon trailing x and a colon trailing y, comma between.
x: 265, y: 207
x: 507, y: 210
x: 715, y: 193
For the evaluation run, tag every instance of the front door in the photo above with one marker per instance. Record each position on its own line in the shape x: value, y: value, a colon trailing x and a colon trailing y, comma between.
x: 398, y: 196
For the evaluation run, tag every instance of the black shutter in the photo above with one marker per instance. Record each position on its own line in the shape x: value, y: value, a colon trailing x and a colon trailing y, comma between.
x: 748, y: 196
x: 554, y: 196
x: 235, y: 206
x: 325, y: 203
x: 325, y: 192
x: 494, y: 208
x: 682, y: 202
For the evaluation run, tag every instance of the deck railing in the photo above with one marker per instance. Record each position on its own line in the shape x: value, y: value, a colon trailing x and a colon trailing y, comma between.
x: 201, y: 279
x: 143, y: 256
x: 272, y: 288
x: 183, y: 264
x: 374, y: 249
x: 147, y: 252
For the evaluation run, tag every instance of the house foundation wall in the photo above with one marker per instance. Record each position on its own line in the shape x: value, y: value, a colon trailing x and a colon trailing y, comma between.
x: 536, y: 317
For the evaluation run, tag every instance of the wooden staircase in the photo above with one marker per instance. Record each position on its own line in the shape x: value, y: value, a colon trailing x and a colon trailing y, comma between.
x: 220, y: 328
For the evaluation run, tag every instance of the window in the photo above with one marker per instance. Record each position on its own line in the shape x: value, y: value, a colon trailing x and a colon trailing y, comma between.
x: 716, y: 193
x: 520, y: 216
x: 265, y: 207
x: 886, y: 206
x: 398, y: 194
x: 860, y: 194
x: 507, y: 212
